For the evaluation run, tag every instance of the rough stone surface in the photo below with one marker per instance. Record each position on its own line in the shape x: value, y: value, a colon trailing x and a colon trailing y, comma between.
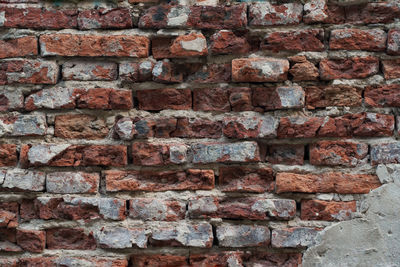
x: 259, y: 70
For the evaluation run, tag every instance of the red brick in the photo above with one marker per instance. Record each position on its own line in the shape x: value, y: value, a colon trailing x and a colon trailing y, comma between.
x: 338, y: 153
x: 136, y: 71
x: 315, y: 11
x: 197, y: 128
x: 207, y: 73
x: 329, y: 96
x: 28, y: 71
x: 282, y: 97
x: 18, y: 47
x: 154, y: 209
x: 246, y: 179
x: 259, y: 70
x: 285, y: 154
x: 8, y: 240
x: 11, y: 100
x: 299, y: 127
x: 349, y: 68
x: 128, y: 129
x: 159, y: 181
x: 23, y: 125
x: 303, y: 70
x: 73, y: 155
x: 70, y: 238
x: 31, y: 240
x: 299, y: 40
x: 255, y: 208
x: 356, y: 39
x: 371, y: 13
x: 149, y: 154
x: 393, y: 43
x: 217, y: 259
x: 327, y: 210
x: 9, y: 214
x: 168, y: 98
x: 72, y: 182
x: 84, y: 71
x: 89, y: 45
x: 275, y: 259
x: 166, y: 72
x: 240, y: 98
x: 250, y: 127
x: 211, y: 99
x: 81, y: 261
x: 227, y: 42
x: 359, y: 124
x: 39, y: 18
x: 8, y: 155
x: 330, y: 182
x: 383, y: 95
x: 242, y: 235
x: 104, y: 98
x: 159, y: 260
x: 189, y: 45
x: 296, y: 237
x: 267, y: 14
x: 116, y: 18
x: 391, y: 68
x: 80, y: 126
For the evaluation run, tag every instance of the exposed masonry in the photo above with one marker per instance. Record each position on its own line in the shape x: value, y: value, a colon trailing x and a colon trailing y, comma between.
x: 199, y: 133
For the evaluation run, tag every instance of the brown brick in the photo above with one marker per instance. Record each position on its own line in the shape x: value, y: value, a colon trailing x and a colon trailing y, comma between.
x: 19, y: 47
x: 327, y: 210
x: 349, y: 68
x: 80, y: 126
x: 169, y: 98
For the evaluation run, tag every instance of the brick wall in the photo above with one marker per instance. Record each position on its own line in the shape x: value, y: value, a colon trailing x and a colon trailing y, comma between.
x: 190, y: 133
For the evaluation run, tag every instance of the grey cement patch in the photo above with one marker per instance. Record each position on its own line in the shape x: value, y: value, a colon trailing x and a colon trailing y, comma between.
x: 372, y: 240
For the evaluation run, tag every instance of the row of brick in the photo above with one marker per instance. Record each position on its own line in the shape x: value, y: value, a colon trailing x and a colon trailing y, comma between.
x: 245, y: 126
x: 256, y: 180
x: 237, y: 16
x: 225, y: 258
x: 168, y: 235
x: 25, y: 71
x: 156, y: 209
x: 195, y: 44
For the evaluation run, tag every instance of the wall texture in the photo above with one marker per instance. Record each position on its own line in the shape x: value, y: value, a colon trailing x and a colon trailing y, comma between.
x: 199, y: 133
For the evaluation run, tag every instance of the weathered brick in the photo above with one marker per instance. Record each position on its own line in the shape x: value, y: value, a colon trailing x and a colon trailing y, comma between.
x: 121, y: 237
x: 31, y: 240
x: 30, y: 71
x: 338, y: 153
x: 267, y: 14
x: 72, y: 182
x: 80, y: 126
x: 22, y: 180
x: 73, y: 155
x: 154, y: 209
x: 259, y: 70
x: 315, y: 11
x: 242, y: 235
x: 225, y: 152
x: 136, y: 71
x: 364, y: 124
x: 80, y: 261
x: 116, y: 18
x: 87, y: 71
x: 282, y: 97
x: 348, y: 68
x: 224, y: 258
x: 371, y: 13
x: 11, y: 100
x: 240, y: 98
x: 299, y: 127
x: 250, y: 127
x: 168, y: 98
x: 385, y: 153
x: 297, y: 237
x: 141, y: 260
x: 18, y: 47
x: 391, y: 68
x: 184, y: 234
x: 69, y: 238
x: 128, y: 129
x: 246, y: 179
x: 9, y: 214
x: 8, y: 155
x: 211, y: 99
x: 191, y: 179
x: 207, y: 73
x: 227, y: 42
x: 166, y: 72
x: 330, y: 182
x: 149, y: 154
x: 393, y: 42
x: 197, y: 128
x: 89, y: 45
x: 189, y: 45
x: 255, y: 208
x: 338, y: 95
x: 356, y: 39
x: 303, y: 70
x: 274, y: 259
x: 23, y: 125
x: 8, y: 240
x: 285, y: 154
x: 38, y: 18
x: 299, y: 40
x: 327, y: 210
x: 70, y: 98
